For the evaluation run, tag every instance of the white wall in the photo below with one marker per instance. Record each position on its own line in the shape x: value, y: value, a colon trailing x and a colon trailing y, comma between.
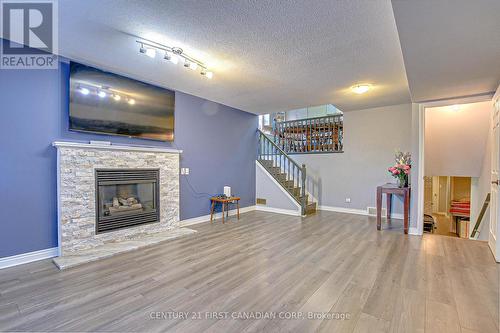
x: 370, y: 140
x: 480, y: 187
x: 276, y: 197
x: 455, y: 140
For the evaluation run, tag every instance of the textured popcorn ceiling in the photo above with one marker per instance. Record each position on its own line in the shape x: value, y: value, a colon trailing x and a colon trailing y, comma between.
x: 273, y: 55
x: 266, y: 55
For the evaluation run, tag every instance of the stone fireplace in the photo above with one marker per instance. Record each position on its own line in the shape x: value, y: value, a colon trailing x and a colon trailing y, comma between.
x: 111, y: 194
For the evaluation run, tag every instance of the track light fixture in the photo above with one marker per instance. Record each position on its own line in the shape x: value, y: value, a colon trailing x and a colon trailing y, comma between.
x: 174, y: 55
x: 207, y: 74
x: 150, y: 52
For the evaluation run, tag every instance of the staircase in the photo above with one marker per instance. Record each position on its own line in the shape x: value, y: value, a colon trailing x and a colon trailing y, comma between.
x: 288, y: 173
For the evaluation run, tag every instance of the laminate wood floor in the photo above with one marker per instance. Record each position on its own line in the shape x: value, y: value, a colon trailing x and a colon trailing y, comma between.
x: 267, y: 272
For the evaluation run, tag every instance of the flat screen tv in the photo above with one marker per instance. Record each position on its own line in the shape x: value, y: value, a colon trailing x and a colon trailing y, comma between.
x: 107, y: 103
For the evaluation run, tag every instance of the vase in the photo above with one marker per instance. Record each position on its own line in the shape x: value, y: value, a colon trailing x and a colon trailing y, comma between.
x: 403, y: 182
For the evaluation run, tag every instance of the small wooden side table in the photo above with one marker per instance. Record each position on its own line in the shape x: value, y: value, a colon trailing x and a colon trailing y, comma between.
x: 389, y: 190
x: 225, y: 206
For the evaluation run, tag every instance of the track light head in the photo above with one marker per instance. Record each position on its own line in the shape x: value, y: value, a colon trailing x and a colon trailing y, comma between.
x: 187, y: 63
x: 150, y: 52
x: 101, y: 94
x: 206, y: 73
x: 168, y: 56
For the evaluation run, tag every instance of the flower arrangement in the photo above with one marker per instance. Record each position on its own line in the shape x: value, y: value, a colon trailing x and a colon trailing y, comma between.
x: 401, y: 170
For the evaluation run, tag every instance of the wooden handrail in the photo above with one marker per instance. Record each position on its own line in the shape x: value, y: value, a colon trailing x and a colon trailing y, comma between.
x: 481, y: 215
x: 277, y: 147
x: 279, y: 164
x: 311, y: 135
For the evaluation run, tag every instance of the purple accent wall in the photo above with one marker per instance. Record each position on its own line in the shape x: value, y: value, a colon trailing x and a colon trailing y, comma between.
x: 218, y: 141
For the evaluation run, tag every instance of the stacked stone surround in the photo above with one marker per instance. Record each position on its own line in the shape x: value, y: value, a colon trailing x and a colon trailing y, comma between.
x: 76, y: 190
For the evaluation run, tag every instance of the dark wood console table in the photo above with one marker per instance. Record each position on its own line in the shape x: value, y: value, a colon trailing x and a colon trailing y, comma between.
x: 389, y: 190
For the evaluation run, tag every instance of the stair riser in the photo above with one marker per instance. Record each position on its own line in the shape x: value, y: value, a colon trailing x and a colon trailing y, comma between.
x: 282, y: 178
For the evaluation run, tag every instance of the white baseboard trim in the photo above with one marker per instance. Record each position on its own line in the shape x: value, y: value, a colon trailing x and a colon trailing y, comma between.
x: 278, y: 210
x: 355, y: 211
x: 414, y: 231
x: 206, y: 218
x: 28, y: 257
x: 343, y: 210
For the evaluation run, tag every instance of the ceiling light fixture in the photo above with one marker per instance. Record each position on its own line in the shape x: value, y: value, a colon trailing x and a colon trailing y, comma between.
x: 455, y: 107
x: 360, y: 88
x: 174, y: 55
x: 150, y: 52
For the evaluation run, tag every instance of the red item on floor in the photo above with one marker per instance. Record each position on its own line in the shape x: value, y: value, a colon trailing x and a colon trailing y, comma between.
x: 460, y: 208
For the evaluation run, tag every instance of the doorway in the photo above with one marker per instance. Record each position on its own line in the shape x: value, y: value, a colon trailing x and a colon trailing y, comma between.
x: 447, y: 205
x: 457, y: 167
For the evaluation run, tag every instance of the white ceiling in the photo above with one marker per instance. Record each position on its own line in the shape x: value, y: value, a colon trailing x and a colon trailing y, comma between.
x: 266, y: 55
x: 455, y: 140
x: 451, y: 48
x: 278, y: 55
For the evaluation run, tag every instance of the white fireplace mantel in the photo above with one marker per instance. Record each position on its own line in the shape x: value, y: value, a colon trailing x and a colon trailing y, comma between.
x: 86, y: 145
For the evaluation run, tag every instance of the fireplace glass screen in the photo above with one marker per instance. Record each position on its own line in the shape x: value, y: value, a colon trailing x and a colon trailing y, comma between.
x: 126, y: 198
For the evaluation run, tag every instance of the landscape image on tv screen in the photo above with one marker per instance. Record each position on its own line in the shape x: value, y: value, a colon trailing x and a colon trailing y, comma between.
x: 107, y: 103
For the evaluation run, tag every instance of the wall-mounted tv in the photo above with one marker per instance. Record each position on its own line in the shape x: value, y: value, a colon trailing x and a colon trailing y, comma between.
x: 107, y: 103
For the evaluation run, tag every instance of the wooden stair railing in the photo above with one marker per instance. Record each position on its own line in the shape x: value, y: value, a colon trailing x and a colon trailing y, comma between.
x: 288, y: 173
x: 481, y: 215
x: 311, y: 135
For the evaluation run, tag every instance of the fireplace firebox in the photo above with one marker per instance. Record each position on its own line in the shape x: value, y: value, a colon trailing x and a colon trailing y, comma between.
x: 126, y: 198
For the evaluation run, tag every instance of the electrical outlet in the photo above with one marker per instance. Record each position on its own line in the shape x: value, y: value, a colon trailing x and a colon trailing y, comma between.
x: 348, y: 200
x: 183, y: 171
x: 186, y: 171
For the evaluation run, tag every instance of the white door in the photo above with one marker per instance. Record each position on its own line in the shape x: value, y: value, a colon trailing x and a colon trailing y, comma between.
x: 494, y: 233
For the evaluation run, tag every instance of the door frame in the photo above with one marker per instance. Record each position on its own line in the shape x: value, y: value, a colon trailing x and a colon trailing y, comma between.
x: 493, y: 239
x: 420, y: 167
